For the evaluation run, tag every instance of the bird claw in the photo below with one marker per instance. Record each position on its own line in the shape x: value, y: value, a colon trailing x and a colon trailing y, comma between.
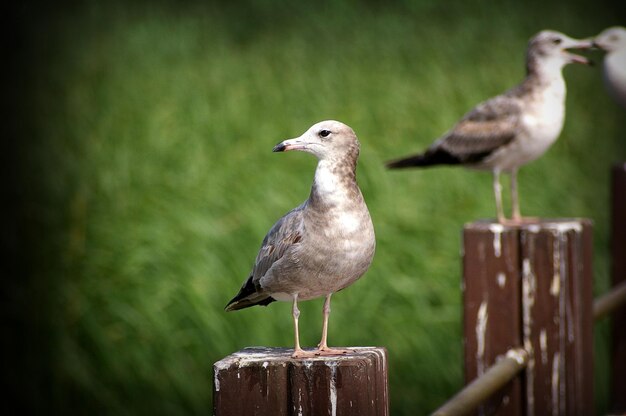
x: 332, y: 351
x: 320, y: 352
x: 300, y: 353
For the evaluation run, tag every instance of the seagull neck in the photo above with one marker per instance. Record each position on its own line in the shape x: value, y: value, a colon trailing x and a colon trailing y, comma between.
x: 334, y: 183
x: 544, y: 73
x: 541, y: 79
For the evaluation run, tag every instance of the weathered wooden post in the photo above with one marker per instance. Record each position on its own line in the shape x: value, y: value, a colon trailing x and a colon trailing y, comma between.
x: 618, y: 271
x: 531, y: 286
x: 492, y: 307
x: 267, y: 381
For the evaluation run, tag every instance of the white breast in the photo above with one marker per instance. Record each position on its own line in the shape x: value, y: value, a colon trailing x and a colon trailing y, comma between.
x: 541, y: 124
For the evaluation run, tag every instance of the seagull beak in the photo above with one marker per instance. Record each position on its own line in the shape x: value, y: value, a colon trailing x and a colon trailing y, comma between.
x: 580, y: 44
x: 577, y: 59
x: 291, y: 144
x: 598, y: 45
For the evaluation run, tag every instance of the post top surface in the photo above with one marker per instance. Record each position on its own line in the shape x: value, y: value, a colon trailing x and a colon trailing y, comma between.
x: 533, y: 225
x: 267, y: 355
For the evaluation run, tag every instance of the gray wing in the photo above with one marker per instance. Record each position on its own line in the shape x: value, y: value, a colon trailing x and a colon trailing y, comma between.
x: 488, y: 126
x: 285, y: 234
x: 282, y: 236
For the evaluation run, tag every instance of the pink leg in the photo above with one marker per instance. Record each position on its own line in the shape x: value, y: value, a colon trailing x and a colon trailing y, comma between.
x: 497, y: 191
x: 322, y: 348
x: 297, y: 351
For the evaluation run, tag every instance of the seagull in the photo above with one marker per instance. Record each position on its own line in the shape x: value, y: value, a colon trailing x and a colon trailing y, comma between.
x: 512, y: 129
x: 323, y: 245
x: 613, y: 41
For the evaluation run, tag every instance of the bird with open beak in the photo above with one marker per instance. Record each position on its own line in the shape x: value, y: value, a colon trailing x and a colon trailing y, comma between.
x: 510, y: 130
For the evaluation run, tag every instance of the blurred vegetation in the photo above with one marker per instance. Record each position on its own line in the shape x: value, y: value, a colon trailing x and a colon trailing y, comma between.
x: 140, y: 143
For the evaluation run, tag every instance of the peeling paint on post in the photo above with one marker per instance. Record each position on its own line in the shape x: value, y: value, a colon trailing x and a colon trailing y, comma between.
x: 530, y: 285
x: 267, y: 381
x: 491, y: 311
x: 557, y: 319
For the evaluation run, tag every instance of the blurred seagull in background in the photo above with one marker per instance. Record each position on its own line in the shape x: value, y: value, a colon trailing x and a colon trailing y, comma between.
x: 512, y: 129
x: 613, y: 41
x: 322, y: 246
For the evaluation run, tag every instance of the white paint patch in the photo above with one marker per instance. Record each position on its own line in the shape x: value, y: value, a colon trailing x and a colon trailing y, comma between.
x: 265, y: 364
x: 216, y: 380
x: 543, y: 345
x: 481, y: 329
x: 562, y: 227
x: 497, y: 229
x: 333, y: 388
x: 501, y: 279
x: 528, y: 301
x: 555, y: 286
x: 556, y: 363
x: 300, y: 412
x: 534, y: 228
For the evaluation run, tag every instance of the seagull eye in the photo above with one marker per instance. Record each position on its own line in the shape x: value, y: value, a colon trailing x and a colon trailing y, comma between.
x: 556, y: 41
x: 324, y: 133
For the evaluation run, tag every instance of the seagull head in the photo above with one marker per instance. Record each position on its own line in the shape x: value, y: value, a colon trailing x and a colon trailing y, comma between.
x: 328, y: 139
x: 611, y: 39
x: 549, y: 50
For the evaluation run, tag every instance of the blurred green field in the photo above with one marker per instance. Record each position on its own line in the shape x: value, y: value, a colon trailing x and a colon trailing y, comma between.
x: 147, y: 183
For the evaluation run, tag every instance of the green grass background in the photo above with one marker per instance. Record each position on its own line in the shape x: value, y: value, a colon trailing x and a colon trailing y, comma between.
x: 141, y: 147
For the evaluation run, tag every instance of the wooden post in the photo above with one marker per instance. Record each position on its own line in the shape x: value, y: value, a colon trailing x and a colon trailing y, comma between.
x: 267, y: 381
x: 618, y: 271
x: 492, y: 307
x: 531, y: 286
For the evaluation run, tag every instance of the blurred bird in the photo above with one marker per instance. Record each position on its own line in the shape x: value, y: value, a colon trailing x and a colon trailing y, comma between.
x: 322, y: 246
x: 512, y: 129
x: 613, y: 41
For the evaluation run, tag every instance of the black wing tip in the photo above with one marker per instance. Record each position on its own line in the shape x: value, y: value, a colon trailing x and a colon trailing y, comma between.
x: 436, y: 156
x: 242, y: 299
x: 401, y: 163
x: 236, y: 304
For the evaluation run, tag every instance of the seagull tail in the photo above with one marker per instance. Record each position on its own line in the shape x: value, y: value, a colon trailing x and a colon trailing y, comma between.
x: 248, y: 296
x: 431, y: 157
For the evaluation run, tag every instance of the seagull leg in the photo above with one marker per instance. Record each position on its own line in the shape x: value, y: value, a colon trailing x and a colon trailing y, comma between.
x: 497, y: 190
x: 297, y: 351
x: 322, y: 347
x: 517, y: 216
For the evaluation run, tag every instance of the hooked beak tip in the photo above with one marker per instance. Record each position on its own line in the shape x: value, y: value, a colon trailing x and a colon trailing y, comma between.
x: 280, y: 147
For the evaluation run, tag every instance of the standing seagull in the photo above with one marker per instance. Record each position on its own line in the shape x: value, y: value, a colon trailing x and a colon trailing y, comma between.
x: 322, y: 246
x: 512, y: 129
x: 613, y: 41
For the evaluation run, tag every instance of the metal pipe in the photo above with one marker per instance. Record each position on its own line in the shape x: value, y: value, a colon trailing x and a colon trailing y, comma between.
x: 605, y: 304
x: 492, y: 380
